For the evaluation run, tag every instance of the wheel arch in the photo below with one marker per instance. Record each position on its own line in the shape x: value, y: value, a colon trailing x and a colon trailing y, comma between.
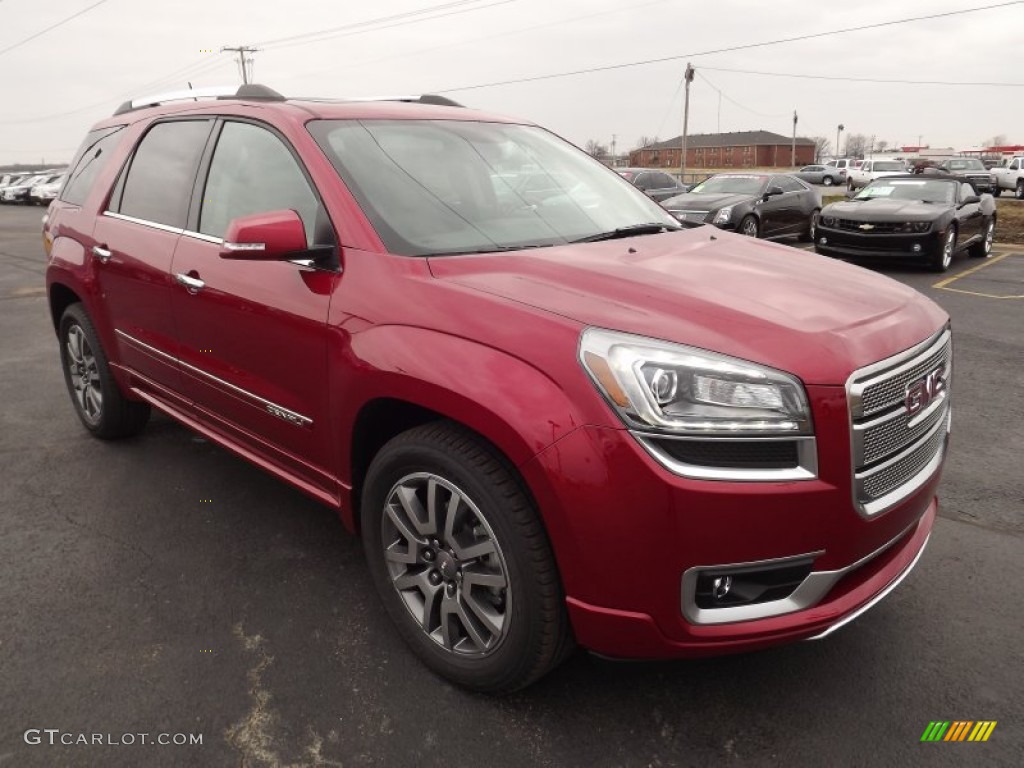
x: 61, y: 296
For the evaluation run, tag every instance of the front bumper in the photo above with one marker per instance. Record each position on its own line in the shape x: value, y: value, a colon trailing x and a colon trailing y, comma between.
x: 626, y: 532
x: 840, y: 242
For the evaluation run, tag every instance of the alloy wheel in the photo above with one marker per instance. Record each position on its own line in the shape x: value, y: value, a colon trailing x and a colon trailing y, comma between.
x: 947, y: 249
x: 85, y: 375
x: 990, y: 235
x: 446, y: 564
x: 750, y: 226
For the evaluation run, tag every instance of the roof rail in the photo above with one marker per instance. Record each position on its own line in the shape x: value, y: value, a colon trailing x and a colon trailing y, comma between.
x: 249, y: 92
x: 424, y: 98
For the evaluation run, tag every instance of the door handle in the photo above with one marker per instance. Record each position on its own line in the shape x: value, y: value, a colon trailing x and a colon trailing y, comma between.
x: 101, y: 253
x: 192, y: 284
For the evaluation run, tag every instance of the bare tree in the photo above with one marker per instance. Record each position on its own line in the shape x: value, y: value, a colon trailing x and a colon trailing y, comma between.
x: 882, y: 145
x: 645, y: 141
x: 856, y: 144
x: 999, y: 140
x: 596, y: 149
x: 822, y: 147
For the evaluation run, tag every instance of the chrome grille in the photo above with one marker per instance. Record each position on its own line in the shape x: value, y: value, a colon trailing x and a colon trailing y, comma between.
x: 896, y: 452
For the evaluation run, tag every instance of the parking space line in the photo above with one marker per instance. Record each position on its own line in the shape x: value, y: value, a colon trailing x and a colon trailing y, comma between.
x: 944, y: 284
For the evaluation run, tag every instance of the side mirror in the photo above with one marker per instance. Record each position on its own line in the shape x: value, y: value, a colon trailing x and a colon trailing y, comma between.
x: 970, y: 199
x: 269, y: 236
x: 772, y: 191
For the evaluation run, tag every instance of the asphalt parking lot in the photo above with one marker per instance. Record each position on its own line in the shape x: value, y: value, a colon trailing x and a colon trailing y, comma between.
x: 163, y: 585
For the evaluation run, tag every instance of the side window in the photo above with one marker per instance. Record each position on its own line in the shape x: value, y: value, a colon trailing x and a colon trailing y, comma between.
x: 664, y: 181
x: 1014, y: 165
x: 253, y: 172
x: 158, y: 184
x: 643, y: 181
x: 788, y: 184
x: 95, y: 152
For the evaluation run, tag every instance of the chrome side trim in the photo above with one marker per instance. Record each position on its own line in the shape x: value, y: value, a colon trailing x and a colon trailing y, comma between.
x: 809, y: 593
x: 145, y: 223
x: 877, y: 598
x: 271, y: 407
x: 806, y: 469
x: 201, y: 236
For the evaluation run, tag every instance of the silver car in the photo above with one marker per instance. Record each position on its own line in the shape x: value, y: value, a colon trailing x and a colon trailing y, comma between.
x: 828, y: 175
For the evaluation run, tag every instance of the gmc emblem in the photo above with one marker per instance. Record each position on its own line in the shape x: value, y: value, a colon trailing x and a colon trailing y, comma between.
x: 922, y: 392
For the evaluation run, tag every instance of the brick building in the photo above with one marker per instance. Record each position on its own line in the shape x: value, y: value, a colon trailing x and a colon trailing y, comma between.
x: 742, y: 149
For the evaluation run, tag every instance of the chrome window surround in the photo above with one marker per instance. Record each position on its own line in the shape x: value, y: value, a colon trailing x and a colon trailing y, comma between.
x: 882, y: 371
x: 164, y: 227
x: 809, y: 593
x: 269, y: 406
x: 806, y: 468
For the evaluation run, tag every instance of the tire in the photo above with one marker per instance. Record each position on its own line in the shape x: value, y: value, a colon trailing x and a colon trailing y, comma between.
x: 997, y: 191
x: 849, y: 185
x: 812, y: 227
x: 749, y: 226
x: 983, y: 248
x: 943, y: 255
x: 516, y: 584
x: 101, y: 406
x: 828, y: 181
x: 1018, y: 191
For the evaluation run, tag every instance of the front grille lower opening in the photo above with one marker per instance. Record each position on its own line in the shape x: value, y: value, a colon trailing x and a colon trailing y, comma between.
x: 729, y: 588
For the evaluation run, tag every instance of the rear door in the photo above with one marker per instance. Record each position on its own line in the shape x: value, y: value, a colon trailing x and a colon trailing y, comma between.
x: 253, y: 337
x: 134, y: 242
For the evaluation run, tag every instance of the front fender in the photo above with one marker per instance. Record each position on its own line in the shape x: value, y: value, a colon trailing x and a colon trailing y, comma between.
x: 514, y: 405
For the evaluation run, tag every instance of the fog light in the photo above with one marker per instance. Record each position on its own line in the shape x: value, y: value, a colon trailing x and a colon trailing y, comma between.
x: 721, y: 586
x: 823, y: 241
x: 916, y: 248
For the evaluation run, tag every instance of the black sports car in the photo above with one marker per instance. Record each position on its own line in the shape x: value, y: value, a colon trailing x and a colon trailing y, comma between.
x: 929, y: 217
x: 754, y: 204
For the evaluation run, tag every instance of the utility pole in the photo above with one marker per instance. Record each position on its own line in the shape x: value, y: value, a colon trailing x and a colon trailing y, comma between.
x: 244, y: 61
x: 688, y: 77
x: 792, y: 159
x: 839, y: 129
x: 613, y: 150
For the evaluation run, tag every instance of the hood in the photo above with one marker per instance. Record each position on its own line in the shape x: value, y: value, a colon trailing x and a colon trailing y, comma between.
x: 793, y: 310
x: 880, y: 209
x: 705, y: 202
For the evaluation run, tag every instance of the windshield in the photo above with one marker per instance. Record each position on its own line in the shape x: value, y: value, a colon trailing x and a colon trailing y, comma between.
x: 434, y: 187
x: 965, y: 164
x: 888, y: 165
x: 735, y: 185
x: 929, y: 191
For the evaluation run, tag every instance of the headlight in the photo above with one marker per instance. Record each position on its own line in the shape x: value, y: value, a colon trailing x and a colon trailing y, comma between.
x: 828, y: 221
x: 661, y: 386
x: 920, y: 226
x: 723, y: 215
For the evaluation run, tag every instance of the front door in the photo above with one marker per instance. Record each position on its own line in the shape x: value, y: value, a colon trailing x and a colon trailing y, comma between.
x: 971, y: 217
x: 253, y: 334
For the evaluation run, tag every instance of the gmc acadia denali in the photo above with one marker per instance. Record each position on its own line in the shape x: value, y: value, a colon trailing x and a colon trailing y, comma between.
x: 553, y: 417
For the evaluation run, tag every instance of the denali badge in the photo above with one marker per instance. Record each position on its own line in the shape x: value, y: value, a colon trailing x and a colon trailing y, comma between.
x: 922, y: 392
x: 290, y: 416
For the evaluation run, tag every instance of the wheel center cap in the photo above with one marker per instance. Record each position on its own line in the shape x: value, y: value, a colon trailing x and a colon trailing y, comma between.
x: 447, y: 565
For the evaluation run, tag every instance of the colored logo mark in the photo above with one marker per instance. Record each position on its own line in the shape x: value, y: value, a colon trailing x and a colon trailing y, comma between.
x: 958, y: 730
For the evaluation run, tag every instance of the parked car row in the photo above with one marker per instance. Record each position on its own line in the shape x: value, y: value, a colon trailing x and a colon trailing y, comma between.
x: 39, y: 189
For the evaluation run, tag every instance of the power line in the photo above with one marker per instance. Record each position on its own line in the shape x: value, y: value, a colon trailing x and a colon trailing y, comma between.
x: 509, y: 33
x: 733, y: 101
x: 747, y: 46
x: 51, y: 27
x: 374, y: 25
x: 859, y: 79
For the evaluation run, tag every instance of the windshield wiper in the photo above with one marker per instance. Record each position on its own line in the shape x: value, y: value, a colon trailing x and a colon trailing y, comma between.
x: 652, y: 228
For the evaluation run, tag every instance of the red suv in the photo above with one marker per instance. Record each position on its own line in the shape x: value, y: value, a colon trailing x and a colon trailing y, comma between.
x: 553, y: 418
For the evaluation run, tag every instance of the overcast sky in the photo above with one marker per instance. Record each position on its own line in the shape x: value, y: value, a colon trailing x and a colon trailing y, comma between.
x: 55, y: 86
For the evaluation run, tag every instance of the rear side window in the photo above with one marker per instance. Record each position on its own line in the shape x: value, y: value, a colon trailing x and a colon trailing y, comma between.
x: 159, y: 180
x: 254, y: 172
x: 92, y: 157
